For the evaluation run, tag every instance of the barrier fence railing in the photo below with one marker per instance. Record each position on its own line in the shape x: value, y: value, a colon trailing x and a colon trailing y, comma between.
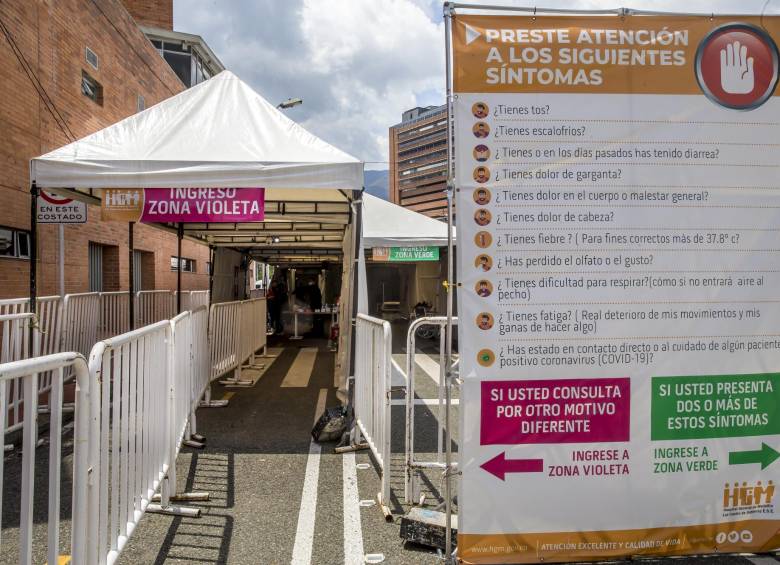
x: 192, y: 299
x: 200, y: 369
x: 80, y: 322
x: 153, y: 306
x: 223, y: 337
x: 237, y: 331
x: 15, y: 346
x: 413, y: 465
x: 74, y: 323
x: 114, y: 314
x: 135, y: 408
x: 84, y: 456
x: 373, y: 358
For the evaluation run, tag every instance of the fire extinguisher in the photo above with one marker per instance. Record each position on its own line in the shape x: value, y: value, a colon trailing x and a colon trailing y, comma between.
x: 334, y: 332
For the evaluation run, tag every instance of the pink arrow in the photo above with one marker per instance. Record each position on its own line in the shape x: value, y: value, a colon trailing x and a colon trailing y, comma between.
x: 500, y: 465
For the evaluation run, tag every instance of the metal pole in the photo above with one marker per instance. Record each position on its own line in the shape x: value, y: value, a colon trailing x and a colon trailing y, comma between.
x: 211, y: 274
x: 180, y: 235
x: 33, y: 265
x: 61, y: 258
x: 448, y: 13
x: 131, y: 270
x: 357, y: 227
x: 583, y: 11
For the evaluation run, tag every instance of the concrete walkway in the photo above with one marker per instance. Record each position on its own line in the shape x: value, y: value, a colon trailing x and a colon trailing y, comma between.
x: 276, y: 497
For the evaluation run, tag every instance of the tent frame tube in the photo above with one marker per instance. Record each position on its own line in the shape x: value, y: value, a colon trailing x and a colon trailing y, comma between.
x: 179, y: 237
x: 449, y: 557
x: 33, y: 253
x: 131, y: 275
x: 606, y: 12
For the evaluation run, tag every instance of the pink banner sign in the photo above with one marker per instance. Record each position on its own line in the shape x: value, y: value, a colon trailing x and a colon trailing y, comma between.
x: 203, y: 205
x: 555, y: 411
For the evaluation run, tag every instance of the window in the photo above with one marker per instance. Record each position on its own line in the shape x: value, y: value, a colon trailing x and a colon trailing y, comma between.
x: 95, y: 251
x: 14, y: 243
x: 91, y: 88
x: 140, y: 104
x: 187, y: 265
x: 91, y: 58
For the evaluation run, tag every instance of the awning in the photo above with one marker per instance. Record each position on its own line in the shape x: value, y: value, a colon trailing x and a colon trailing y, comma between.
x: 220, y: 133
x: 388, y: 225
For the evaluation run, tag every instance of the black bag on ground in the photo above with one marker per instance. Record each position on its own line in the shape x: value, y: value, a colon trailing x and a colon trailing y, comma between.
x: 331, y: 425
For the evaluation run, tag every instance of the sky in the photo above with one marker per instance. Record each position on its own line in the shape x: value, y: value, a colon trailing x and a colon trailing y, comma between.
x: 358, y: 64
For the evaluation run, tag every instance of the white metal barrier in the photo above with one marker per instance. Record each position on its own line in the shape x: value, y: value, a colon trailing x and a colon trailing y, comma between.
x: 80, y: 321
x: 134, y: 448
x: 192, y: 299
x: 15, y: 346
x: 84, y: 457
x: 49, y: 310
x: 223, y: 337
x: 413, y: 465
x: 114, y: 314
x: 373, y: 358
x: 237, y: 330
x: 154, y: 305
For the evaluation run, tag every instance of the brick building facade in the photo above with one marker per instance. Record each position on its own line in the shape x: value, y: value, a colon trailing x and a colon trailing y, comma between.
x: 70, y: 68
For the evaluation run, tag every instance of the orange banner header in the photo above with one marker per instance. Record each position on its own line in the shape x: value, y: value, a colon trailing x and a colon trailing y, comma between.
x: 612, y: 54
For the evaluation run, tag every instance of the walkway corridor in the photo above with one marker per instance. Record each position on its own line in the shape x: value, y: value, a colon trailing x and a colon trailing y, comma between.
x: 258, y: 463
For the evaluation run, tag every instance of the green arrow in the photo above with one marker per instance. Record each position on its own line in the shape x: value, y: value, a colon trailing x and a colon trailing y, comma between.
x: 766, y: 456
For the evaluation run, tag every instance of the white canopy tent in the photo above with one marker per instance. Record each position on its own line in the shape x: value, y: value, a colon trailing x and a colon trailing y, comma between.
x: 388, y: 225
x: 221, y: 133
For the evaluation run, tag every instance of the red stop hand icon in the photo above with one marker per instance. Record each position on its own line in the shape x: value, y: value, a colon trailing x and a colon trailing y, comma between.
x: 737, y: 66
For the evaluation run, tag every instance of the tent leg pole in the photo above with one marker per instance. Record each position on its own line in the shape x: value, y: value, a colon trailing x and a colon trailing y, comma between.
x: 33, y: 251
x: 356, y: 234
x: 131, y: 271
x: 180, y: 235
x: 449, y: 557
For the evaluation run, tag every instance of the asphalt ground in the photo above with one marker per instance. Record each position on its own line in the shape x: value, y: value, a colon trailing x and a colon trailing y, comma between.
x: 267, y: 504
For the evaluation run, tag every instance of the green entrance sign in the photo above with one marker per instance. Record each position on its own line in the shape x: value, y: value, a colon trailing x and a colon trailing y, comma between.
x: 715, y: 406
x: 406, y: 254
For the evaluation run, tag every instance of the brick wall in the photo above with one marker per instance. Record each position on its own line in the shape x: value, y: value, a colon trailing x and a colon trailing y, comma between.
x: 155, y: 13
x: 52, y: 37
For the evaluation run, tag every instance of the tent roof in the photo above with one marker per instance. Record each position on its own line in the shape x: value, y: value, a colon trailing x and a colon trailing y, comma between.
x: 220, y: 133
x: 387, y: 225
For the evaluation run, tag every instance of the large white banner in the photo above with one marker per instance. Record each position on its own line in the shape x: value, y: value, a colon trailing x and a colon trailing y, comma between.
x: 618, y: 221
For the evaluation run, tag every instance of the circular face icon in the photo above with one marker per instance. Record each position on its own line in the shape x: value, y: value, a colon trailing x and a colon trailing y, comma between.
x: 481, y: 153
x: 482, y: 217
x: 481, y: 130
x: 480, y: 110
x: 486, y: 357
x: 483, y: 262
x: 481, y: 174
x: 484, y: 288
x: 485, y: 321
x: 737, y: 66
x: 483, y: 239
x: 482, y: 196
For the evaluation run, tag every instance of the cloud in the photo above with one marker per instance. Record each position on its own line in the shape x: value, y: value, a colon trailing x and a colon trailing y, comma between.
x: 356, y: 64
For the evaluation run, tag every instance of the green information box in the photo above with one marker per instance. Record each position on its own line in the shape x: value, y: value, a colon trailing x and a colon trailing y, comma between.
x: 716, y: 406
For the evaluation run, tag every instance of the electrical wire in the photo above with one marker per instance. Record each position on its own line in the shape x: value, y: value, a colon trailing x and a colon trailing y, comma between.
x: 39, y: 88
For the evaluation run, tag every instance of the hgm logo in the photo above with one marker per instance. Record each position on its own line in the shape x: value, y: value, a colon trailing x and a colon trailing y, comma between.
x: 745, y: 536
x: 737, y: 496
